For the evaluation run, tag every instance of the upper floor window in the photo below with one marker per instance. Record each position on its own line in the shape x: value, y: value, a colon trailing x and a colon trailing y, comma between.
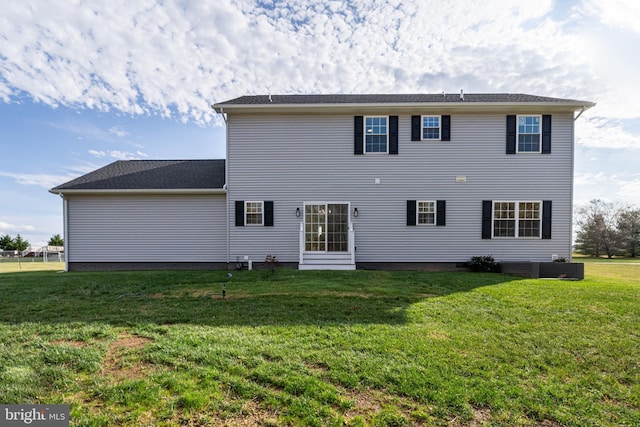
x: 431, y: 127
x: 516, y: 219
x: 529, y: 134
x: 253, y: 212
x: 426, y: 212
x: 376, y: 135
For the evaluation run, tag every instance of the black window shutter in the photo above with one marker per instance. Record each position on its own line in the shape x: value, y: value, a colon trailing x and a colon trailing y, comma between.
x: 411, y: 212
x: 358, y: 139
x: 445, y: 131
x: 393, y: 134
x: 441, y: 212
x: 268, y: 213
x: 239, y: 213
x: 487, y: 207
x: 415, y: 128
x: 511, y: 134
x: 546, y: 134
x: 546, y: 219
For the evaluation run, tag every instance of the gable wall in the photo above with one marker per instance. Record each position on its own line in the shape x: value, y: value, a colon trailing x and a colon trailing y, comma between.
x: 297, y: 158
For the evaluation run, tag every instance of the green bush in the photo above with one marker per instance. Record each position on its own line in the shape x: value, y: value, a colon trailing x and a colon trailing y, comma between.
x: 483, y: 264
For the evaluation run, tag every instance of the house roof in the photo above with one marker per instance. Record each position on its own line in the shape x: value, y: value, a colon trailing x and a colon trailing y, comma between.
x: 470, y: 101
x: 145, y: 175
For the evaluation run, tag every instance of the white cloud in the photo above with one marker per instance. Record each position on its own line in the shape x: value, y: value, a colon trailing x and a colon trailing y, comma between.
x: 624, y: 14
x: 86, y: 130
x: 176, y: 58
x: 43, y: 180
x: 118, y: 154
x: 6, y: 227
x: 621, y: 187
x: 118, y: 131
x: 598, y: 132
x: 97, y: 153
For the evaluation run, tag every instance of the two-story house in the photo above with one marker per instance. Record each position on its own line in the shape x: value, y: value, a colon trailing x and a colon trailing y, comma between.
x: 343, y: 181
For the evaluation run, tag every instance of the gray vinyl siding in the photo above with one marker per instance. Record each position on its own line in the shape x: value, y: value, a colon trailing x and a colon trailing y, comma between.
x: 298, y: 158
x: 146, y: 228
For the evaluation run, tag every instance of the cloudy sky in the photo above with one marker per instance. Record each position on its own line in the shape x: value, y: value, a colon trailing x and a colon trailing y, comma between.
x: 85, y: 83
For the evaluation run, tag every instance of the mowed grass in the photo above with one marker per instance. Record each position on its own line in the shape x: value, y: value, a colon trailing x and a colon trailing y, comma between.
x: 28, y: 264
x: 324, y: 348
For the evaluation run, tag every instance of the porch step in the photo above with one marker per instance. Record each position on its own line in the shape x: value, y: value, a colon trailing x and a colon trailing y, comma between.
x: 326, y: 266
x: 326, y: 261
x: 337, y: 256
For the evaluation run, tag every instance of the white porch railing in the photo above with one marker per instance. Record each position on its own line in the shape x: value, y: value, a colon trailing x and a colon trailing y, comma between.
x: 301, y: 243
x: 352, y: 243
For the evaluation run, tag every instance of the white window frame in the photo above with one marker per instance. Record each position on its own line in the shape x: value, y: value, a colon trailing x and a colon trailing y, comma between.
x: 364, y: 136
x: 435, y: 212
x: 516, y: 219
x: 518, y: 134
x: 246, y: 212
x: 422, y: 128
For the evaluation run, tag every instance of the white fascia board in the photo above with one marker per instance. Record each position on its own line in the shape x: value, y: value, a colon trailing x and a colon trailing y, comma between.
x: 462, y: 106
x: 145, y: 191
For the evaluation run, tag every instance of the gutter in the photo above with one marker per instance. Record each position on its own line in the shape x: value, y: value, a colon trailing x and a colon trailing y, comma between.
x: 141, y: 191
x: 219, y: 108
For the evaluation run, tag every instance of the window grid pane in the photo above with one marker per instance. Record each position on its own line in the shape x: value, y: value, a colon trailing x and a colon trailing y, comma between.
x: 529, y: 219
x: 529, y: 134
x: 314, y: 223
x: 527, y: 214
x: 376, y: 134
x: 337, y: 228
x: 430, y: 127
x: 426, y: 213
x: 504, y: 219
x: 253, y: 212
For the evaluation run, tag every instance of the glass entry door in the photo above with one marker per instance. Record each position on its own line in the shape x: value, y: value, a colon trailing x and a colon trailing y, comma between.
x: 326, y: 227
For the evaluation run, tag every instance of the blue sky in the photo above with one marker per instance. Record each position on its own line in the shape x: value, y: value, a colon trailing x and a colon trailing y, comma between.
x: 83, y: 84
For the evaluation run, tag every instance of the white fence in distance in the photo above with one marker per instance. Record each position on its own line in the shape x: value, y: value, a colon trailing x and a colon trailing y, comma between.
x: 41, y: 254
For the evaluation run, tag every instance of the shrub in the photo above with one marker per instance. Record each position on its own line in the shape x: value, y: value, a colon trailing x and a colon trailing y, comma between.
x: 271, y: 262
x: 483, y: 264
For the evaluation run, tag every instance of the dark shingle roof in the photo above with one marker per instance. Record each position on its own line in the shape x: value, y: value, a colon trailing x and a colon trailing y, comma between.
x: 394, y: 98
x: 151, y: 175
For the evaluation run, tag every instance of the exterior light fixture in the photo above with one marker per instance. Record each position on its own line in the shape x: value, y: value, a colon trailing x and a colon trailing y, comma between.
x: 355, y: 212
x: 298, y: 212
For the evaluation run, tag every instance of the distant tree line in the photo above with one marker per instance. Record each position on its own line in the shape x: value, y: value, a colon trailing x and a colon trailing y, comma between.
x: 608, y: 228
x: 56, y: 240
x: 8, y: 243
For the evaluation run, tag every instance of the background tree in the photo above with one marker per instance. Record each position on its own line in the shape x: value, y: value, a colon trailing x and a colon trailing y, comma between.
x: 20, y: 244
x: 6, y: 243
x: 56, y: 240
x: 598, y: 229
x: 628, y: 223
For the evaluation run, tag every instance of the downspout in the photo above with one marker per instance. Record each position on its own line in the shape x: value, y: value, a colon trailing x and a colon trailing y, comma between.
x: 226, y: 187
x: 573, y: 156
x: 65, y: 231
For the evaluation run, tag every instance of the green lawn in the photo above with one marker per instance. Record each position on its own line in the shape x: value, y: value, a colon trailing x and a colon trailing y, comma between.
x: 324, y: 348
x: 588, y: 259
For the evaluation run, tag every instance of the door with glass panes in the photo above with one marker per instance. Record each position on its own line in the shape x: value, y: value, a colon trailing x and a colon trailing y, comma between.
x: 326, y: 227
